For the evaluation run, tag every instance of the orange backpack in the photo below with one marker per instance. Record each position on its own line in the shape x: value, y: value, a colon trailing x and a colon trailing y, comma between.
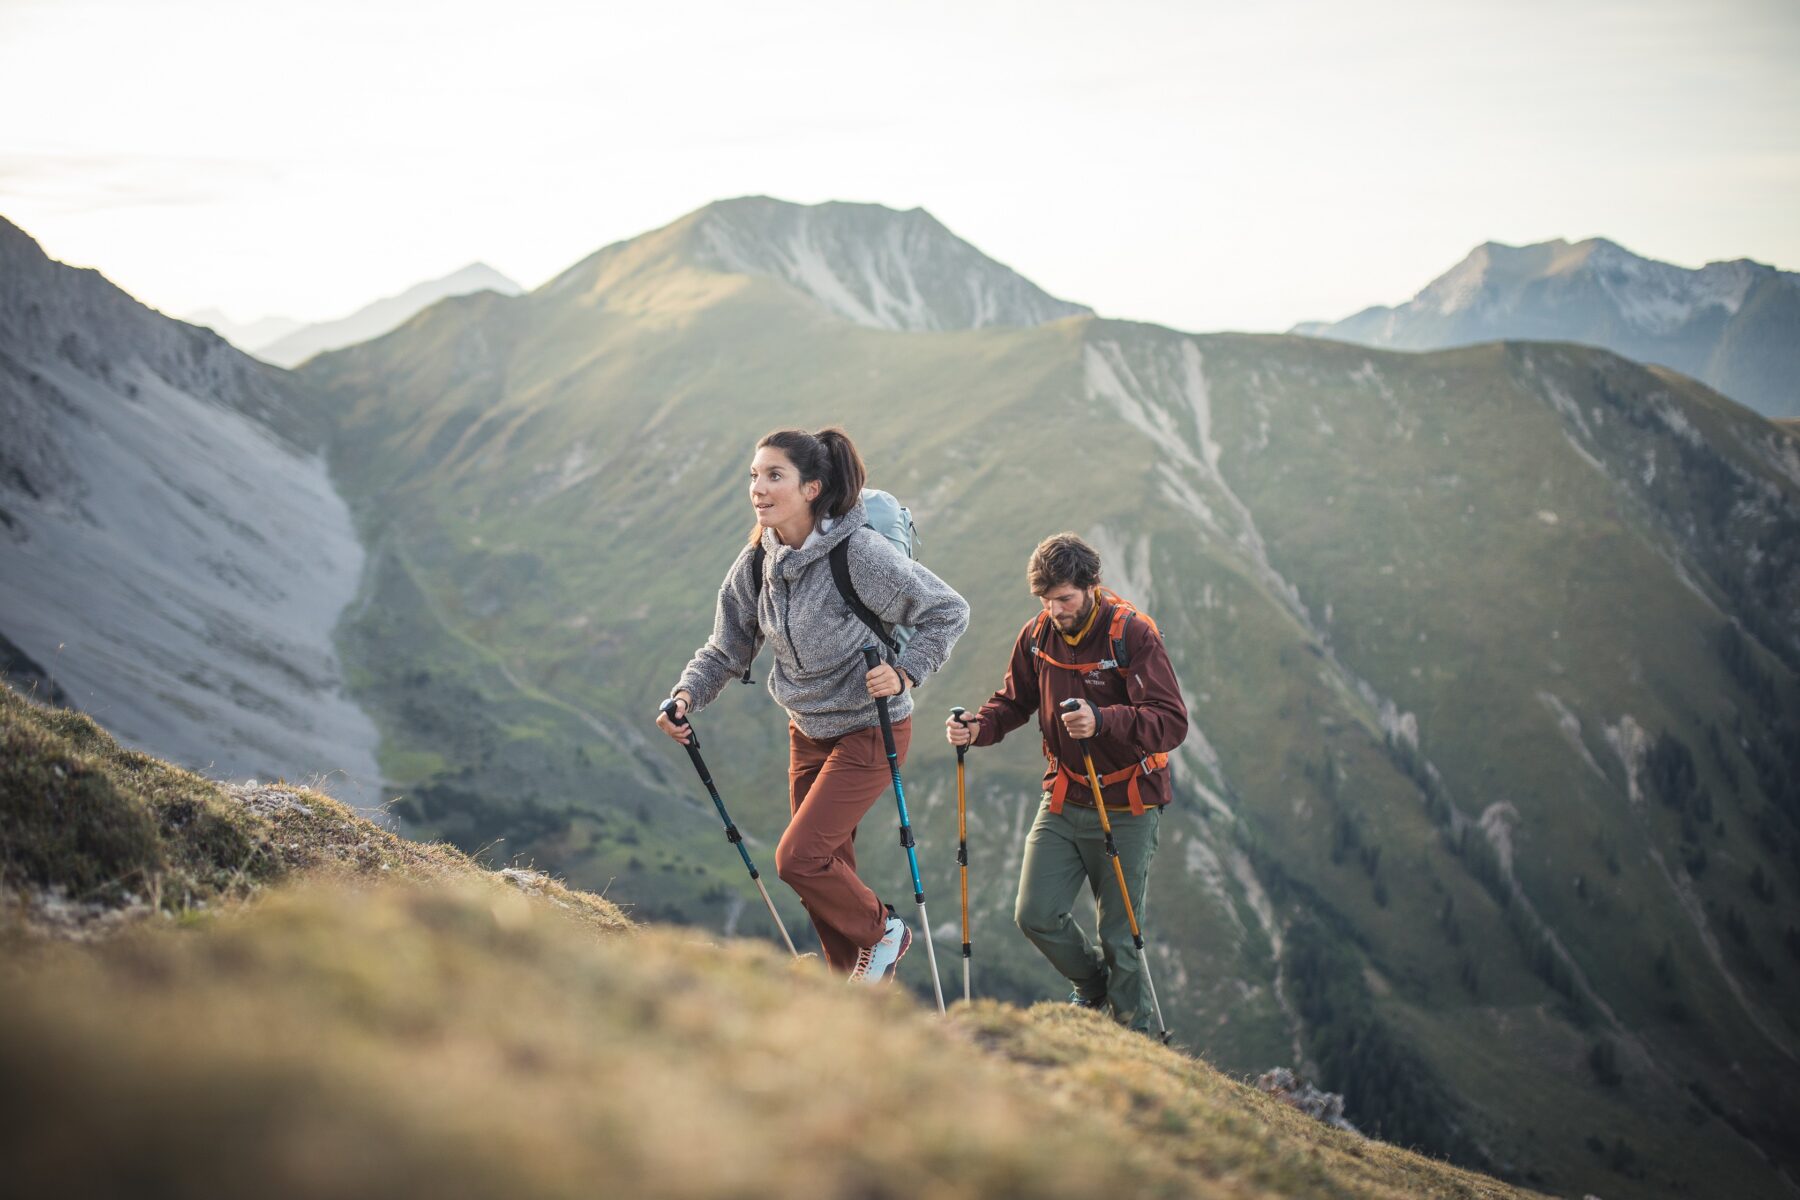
x: 1123, y: 613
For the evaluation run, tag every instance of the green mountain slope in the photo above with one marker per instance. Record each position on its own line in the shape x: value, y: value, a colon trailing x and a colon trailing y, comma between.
x: 1491, y: 810
x: 350, y: 1014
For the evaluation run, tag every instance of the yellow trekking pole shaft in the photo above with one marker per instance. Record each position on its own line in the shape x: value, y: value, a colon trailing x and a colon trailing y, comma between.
x: 1112, y: 852
x: 962, y: 850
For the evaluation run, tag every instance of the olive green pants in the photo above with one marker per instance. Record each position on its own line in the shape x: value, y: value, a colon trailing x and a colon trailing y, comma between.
x: 1063, y: 852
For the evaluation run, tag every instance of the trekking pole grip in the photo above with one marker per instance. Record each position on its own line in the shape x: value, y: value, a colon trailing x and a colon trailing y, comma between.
x: 872, y: 656
x: 1070, y: 706
x: 956, y: 714
x: 667, y: 709
x: 681, y: 722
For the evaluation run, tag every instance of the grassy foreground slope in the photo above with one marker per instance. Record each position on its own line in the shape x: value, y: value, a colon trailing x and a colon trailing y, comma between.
x: 364, y: 1016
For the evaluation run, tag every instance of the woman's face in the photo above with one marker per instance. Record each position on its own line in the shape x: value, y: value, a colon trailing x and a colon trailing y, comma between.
x: 776, y: 493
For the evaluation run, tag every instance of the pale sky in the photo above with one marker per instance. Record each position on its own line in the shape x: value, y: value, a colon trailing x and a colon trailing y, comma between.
x: 1201, y: 165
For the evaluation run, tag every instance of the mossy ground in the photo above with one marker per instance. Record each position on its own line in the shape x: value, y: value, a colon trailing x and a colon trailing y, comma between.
x: 351, y: 1014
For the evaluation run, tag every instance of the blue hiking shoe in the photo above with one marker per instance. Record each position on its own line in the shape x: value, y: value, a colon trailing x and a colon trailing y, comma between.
x: 877, y: 963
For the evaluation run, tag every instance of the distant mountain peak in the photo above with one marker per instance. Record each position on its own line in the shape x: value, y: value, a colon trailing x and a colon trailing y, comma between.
x: 1653, y: 296
x: 1597, y: 291
x: 873, y: 265
x: 384, y: 315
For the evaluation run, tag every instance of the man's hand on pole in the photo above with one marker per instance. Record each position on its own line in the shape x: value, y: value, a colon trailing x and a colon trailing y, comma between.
x: 1079, y: 721
x: 960, y: 730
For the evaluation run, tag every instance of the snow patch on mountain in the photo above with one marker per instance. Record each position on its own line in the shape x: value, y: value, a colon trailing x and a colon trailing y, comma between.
x: 1496, y: 824
x: 1569, y: 725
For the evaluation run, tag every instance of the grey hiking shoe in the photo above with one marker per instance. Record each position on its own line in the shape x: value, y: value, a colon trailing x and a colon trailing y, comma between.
x: 877, y: 963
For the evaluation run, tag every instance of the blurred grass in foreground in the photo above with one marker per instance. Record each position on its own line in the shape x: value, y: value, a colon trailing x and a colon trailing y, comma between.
x: 354, y: 1015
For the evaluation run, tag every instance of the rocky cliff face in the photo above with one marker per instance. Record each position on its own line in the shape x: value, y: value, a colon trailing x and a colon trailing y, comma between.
x: 172, y: 551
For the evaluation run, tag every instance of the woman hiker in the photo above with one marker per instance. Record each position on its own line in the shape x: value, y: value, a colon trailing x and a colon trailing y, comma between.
x: 806, y: 490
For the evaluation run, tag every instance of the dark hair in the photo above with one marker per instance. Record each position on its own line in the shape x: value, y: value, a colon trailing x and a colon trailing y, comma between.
x: 1062, y: 559
x: 828, y: 456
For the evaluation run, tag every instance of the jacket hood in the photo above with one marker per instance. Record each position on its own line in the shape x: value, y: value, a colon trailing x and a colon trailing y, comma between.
x: 792, y: 560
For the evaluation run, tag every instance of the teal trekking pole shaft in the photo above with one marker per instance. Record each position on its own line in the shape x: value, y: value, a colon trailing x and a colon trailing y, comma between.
x: 962, y: 848
x: 872, y: 657
x: 731, y: 831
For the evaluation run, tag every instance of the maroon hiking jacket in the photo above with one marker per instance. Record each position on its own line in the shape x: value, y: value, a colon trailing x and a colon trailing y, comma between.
x: 1140, y: 710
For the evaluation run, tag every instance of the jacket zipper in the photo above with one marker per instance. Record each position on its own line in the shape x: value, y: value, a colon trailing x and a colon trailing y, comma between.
x: 787, y: 632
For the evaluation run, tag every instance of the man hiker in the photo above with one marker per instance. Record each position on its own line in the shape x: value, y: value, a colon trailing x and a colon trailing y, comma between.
x: 1089, y: 645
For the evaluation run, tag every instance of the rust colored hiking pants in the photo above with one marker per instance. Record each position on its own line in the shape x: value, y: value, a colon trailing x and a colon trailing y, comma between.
x: 832, y: 784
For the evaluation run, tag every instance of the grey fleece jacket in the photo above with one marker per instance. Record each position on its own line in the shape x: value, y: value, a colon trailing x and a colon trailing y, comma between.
x: 818, y: 674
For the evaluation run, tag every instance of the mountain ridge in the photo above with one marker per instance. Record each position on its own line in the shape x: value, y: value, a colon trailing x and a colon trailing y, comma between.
x: 381, y: 316
x: 1732, y: 324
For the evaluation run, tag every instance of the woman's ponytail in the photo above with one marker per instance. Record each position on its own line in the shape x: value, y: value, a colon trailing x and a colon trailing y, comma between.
x: 844, y: 485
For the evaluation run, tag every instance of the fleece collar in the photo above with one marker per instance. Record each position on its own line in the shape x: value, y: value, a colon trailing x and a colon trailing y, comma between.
x: 793, y: 559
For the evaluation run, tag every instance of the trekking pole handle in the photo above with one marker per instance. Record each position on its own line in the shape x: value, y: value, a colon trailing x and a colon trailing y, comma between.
x: 956, y: 714
x: 667, y: 709
x: 872, y: 656
x: 1070, y: 706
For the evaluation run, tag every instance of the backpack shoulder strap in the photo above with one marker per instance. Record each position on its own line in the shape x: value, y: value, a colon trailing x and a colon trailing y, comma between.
x: 1120, y: 623
x: 1123, y: 614
x: 756, y: 583
x: 840, y: 575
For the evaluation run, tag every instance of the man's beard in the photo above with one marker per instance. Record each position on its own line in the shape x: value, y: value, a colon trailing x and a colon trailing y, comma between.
x: 1079, y: 619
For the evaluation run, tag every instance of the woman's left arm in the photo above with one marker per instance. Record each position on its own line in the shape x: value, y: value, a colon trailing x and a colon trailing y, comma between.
x: 903, y: 592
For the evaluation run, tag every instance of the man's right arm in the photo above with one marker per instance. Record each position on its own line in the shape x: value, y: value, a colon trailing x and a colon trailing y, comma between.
x: 1017, y: 700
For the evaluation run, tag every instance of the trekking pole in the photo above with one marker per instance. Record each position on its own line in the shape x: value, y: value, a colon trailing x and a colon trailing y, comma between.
x: 731, y: 831
x: 1112, y: 852
x: 962, y: 848
x: 872, y: 657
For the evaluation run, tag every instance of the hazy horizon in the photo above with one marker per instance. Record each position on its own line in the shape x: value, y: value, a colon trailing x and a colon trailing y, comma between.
x: 1194, y: 166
